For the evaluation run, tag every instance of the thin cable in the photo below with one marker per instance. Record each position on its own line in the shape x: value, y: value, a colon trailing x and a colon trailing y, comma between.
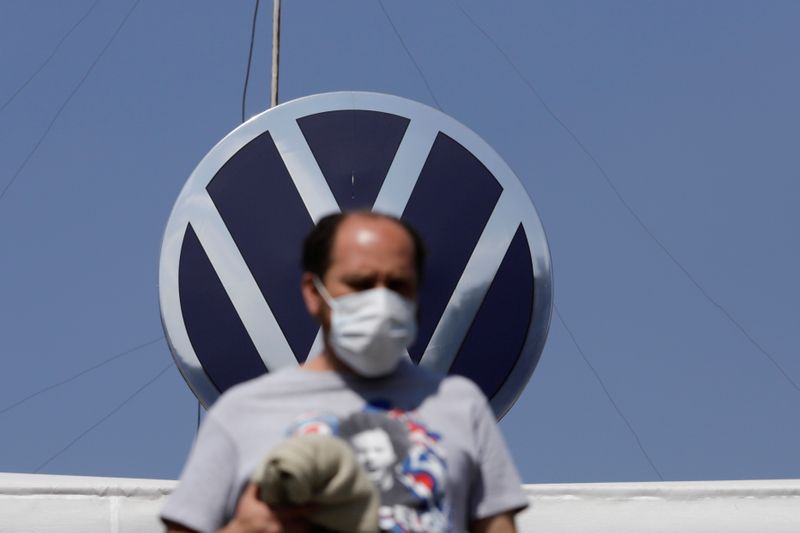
x: 249, y: 56
x: 52, y: 54
x: 608, y: 394
x: 65, y: 102
x: 108, y: 415
x: 79, y: 374
x: 197, y: 429
x: 408, y: 53
x: 628, y: 207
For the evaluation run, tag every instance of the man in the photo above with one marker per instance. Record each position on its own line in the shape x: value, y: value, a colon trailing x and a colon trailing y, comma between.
x: 360, y: 281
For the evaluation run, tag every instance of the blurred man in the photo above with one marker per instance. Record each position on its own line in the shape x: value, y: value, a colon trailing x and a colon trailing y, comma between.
x: 361, y: 275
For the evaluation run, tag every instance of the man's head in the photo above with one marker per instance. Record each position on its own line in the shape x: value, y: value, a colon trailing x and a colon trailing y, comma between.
x: 319, y: 243
x: 354, y: 252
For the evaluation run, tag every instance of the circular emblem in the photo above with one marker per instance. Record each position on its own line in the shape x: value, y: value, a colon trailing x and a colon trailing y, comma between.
x: 229, y: 276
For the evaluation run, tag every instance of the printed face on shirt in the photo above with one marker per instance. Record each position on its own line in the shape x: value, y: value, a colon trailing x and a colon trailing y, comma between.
x: 401, y: 456
x: 376, y: 455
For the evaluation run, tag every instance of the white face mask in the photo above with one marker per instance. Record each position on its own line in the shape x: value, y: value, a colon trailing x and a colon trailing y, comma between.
x: 370, y: 330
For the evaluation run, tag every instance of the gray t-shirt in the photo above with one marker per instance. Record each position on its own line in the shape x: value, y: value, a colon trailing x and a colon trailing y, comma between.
x: 429, y: 443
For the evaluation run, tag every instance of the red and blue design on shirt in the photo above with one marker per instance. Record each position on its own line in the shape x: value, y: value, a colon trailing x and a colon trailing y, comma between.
x: 403, y: 458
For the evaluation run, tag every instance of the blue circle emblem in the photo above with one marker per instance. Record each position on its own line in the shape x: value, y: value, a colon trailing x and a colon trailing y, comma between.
x: 229, y: 271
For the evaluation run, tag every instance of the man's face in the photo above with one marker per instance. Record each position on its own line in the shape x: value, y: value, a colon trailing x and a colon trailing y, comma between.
x: 367, y: 253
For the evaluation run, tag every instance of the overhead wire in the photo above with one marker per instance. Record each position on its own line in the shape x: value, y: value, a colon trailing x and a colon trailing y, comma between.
x: 102, y: 419
x: 631, y: 211
x: 249, y: 57
x: 16, y: 174
x: 3, y: 193
x: 197, y: 426
x: 49, y: 57
x: 244, y: 101
x: 83, y: 372
x: 607, y: 393
x: 409, y: 54
x: 67, y: 100
x: 561, y: 318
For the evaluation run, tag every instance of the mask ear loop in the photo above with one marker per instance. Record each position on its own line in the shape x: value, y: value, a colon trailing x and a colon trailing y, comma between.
x: 322, y: 290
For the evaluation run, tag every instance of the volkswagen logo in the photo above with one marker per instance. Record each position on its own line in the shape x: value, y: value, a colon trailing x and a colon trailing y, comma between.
x: 230, y: 272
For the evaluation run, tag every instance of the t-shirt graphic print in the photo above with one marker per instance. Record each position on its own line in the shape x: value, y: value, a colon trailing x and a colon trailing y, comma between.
x: 403, y: 458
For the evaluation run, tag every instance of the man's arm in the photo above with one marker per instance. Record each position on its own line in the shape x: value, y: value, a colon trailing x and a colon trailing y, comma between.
x: 499, y: 523
x: 254, y: 516
x: 172, y: 527
x: 496, y: 489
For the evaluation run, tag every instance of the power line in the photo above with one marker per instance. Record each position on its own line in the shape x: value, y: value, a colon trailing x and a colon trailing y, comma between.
x: 408, y: 53
x: 65, y: 102
x: 249, y: 57
x: 105, y: 417
x: 79, y: 374
x: 608, y: 394
x: 197, y: 428
x: 594, y: 371
x: 628, y: 207
x: 52, y: 54
x: 244, y: 100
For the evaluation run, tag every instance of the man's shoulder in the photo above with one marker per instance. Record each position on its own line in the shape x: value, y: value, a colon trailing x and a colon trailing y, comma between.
x: 445, y: 385
x: 462, y: 384
x: 261, y: 388
x: 464, y: 391
x: 453, y: 381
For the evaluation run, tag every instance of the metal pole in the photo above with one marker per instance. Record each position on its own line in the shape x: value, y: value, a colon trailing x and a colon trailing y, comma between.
x: 276, y: 49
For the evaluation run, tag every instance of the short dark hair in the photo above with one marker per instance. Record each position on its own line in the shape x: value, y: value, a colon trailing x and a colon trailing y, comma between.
x: 318, y: 244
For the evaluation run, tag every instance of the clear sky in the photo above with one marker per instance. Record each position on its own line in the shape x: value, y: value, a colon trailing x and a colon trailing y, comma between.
x: 658, y: 140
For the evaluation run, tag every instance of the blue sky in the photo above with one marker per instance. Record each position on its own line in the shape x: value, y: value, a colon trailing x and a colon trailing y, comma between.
x: 690, y: 110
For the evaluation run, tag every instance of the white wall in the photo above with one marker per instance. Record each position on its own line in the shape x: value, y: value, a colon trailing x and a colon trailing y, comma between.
x: 688, y: 507
x: 32, y: 503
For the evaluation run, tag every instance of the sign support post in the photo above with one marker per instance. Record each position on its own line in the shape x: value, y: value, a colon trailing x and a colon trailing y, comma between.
x: 276, y: 49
